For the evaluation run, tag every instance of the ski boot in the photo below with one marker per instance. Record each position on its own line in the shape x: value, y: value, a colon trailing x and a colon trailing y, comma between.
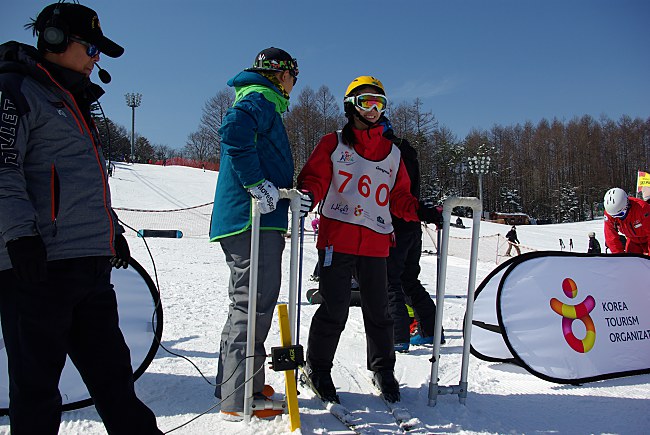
x: 402, y: 347
x: 420, y: 340
x: 322, y: 384
x: 387, y: 384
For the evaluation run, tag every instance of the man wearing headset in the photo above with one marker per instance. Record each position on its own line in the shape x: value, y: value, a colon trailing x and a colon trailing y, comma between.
x: 59, y: 236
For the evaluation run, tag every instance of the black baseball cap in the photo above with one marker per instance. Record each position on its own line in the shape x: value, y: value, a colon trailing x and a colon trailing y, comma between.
x: 77, y: 20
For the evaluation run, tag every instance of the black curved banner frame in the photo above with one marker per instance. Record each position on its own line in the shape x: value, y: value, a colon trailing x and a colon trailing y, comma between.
x: 518, y: 360
x: 490, y: 327
x: 156, y: 319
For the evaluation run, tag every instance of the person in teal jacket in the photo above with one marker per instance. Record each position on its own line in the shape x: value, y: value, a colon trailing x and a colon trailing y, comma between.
x: 256, y: 161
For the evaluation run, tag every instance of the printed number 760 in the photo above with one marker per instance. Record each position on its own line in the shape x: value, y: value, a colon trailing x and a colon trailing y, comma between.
x: 364, y: 186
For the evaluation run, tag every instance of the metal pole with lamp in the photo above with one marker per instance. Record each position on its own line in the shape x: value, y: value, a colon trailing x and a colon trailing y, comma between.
x: 479, y: 165
x: 133, y: 100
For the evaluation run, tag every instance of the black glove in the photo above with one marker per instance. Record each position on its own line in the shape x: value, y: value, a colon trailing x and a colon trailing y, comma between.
x: 28, y: 259
x: 430, y: 215
x: 122, y: 253
x: 306, y: 202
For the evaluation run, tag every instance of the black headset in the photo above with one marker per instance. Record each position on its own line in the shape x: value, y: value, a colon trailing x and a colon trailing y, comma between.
x: 55, y: 32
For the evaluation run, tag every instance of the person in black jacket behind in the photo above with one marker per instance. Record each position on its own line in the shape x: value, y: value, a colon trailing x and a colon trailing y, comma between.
x: 594, y: 245
x: 403, y: 265
x: 512, y: 241
x: 59, y: 236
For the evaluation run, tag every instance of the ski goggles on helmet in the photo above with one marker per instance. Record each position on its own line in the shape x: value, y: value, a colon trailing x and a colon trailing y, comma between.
x: 91, y: 50
x: 367, y: 102
x: 621, y: 214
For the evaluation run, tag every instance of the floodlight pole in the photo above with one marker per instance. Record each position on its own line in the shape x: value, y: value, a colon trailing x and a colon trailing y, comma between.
x: 133, y: 100
x: 479, y: 165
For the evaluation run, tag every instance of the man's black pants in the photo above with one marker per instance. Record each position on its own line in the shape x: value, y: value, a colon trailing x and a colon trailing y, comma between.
x: 404, y: 287
x: 74, y: 313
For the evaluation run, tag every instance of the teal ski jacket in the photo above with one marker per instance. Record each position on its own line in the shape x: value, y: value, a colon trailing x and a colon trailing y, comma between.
x: 254, y: 148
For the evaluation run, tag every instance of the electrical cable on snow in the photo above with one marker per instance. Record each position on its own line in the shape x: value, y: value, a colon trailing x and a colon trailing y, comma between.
x: 157, y: 306
x: 220, y: 402
x: 158, y: 340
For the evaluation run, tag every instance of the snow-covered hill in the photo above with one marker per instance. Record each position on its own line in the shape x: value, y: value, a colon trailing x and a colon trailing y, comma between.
x: 193, y: 281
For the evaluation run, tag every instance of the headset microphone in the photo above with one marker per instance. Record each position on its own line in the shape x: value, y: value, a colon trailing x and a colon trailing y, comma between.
x: 104, y: 76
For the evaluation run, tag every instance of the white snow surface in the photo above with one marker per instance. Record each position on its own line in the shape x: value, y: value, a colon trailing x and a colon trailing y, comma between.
x: 193, y: 279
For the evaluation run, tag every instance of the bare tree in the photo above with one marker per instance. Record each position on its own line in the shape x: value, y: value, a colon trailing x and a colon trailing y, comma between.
x: 162, y: 152
x: 214, y: 111
x: 551, y: 165
x: 199, y: 146
x: 306, y: 122
x: 329, y: 111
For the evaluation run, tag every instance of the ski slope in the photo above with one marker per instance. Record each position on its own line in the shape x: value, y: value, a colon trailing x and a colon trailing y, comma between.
x: 193, y: 279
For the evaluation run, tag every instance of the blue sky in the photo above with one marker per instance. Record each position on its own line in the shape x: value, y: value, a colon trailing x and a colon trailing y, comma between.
x: 472, y: 63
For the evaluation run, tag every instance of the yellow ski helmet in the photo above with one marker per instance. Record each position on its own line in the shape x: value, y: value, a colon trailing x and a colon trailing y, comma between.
x: 365, y: 81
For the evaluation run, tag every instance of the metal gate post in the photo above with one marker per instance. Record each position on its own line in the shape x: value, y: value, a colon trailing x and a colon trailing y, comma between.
x: 461, y: 388
x: 294, y: 196
x: 252, y: 311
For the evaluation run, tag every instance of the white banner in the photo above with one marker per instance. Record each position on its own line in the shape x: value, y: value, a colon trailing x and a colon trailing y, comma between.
x: 569, y: 317
x: 137, y: 301
x: 487, y: 342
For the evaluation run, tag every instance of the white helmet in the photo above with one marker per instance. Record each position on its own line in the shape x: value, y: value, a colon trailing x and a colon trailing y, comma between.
x: 616, y: 202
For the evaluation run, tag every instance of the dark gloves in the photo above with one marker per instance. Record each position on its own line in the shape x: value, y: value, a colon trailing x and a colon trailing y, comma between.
x: 306, y: 202
x: 28, y: 258
x: 122, y: 253
x: 430, y: 215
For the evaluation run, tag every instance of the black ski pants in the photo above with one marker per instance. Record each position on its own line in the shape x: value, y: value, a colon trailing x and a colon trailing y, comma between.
x: 404, y: 287
x: 74, y: 313
x: 330, y: 318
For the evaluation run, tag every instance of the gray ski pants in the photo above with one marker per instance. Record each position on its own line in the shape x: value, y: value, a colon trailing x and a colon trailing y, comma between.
x: 231, y: 368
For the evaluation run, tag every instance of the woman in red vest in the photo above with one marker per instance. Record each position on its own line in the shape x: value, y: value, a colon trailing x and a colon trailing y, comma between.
x: 359, y: 178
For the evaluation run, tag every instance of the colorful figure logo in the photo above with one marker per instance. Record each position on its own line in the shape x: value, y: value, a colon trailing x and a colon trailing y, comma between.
x: 347, y: 157
x: 570, y: 313
x: 358, y: 210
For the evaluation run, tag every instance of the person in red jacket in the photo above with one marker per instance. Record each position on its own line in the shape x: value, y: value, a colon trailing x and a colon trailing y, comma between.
x: 630, y: 216
x: 360, y: 178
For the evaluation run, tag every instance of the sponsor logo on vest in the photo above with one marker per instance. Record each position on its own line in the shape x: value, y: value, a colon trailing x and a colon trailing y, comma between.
x: 358, y: 210
x: 382, y: 170
x: 347, y: 157
x: 380, y: 220
x: 343, y: 209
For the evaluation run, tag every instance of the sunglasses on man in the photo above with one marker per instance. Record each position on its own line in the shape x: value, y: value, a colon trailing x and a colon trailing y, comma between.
x: 367, y: 102
x: 91, y: 50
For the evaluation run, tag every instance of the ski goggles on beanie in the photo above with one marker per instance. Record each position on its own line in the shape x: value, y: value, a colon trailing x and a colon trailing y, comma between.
x: 367, y: 102
x: 278, y: 65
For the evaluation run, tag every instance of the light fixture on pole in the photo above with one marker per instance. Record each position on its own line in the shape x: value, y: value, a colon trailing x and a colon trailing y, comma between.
x: 479, y: 165
x: 133, y: 101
